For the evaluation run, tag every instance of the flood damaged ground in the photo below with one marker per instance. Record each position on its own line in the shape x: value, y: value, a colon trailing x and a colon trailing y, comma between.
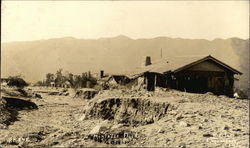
x: 122, y: 117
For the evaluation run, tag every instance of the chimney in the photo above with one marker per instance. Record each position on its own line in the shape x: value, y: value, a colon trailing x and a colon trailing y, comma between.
x: 101, y: 74
x: 148, y: 61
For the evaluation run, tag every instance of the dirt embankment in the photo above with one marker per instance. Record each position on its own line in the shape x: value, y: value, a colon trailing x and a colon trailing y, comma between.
x: 132, y: 111
x: 169, y: 118
x: 13, y: 100
x: 5, y: 114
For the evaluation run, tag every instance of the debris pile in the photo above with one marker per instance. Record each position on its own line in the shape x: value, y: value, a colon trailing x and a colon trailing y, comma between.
x: 86, y: 93
x: 126, y: 117
x: 12, y: 100
x: 19, y: 92
x: 131, y: 111
x: 50, y: 91
x: 19, y: 104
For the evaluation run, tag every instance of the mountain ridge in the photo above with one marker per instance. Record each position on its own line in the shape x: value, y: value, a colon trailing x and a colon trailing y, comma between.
x: 124, y: 36
x: 120, y: 54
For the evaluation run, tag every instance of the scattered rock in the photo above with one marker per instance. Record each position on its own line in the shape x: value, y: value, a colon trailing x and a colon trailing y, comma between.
x: 172, y: 112
x: 53, y: 93
x: 38, y: 96
x: 237, y: 130
x: 64, y: 90
x: 168, y: 140
x: 21, y: 144
x: 207, y: 135
x: 209, y: 93
x: 86, y: 93
x: 149, y: 120
x: 182, y: 145
x: 200, y: 114
x: 12, y: 141
x: 222, y: 96
x: 200, y: 127
x: 116, y: 126
x: 183, y: 100
x: 179, y: 117
x: 3, y: 126
x: 83, y: 117
x: 161, y: 131
x: 205, y: 120
x: 226, y: 127
x: 184, y: 124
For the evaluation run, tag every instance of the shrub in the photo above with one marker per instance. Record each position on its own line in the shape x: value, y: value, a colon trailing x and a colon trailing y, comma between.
x: 17, y: 81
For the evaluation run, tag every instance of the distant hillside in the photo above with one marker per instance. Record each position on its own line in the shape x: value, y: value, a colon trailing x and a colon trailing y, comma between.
x: 33, y: 59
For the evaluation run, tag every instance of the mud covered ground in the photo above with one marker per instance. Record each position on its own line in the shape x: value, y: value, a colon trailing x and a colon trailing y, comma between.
x: 186, y: 120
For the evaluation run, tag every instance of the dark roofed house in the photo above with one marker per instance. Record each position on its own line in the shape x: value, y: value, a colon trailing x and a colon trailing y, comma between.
x: 191, y: 74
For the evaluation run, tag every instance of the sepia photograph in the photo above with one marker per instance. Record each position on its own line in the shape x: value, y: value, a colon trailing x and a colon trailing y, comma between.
x: 122, y: 73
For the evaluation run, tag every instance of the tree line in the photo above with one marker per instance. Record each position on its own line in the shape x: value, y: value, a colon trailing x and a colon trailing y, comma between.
x: 60, y: 79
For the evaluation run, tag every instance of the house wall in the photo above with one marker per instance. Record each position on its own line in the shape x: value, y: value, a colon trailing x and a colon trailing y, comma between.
x: 207, y: 76
x: 218, y: 82
x: 155, y: 79
x: 150, y: 81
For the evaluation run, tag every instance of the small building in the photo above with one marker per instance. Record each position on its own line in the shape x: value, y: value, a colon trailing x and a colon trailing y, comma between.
x: 118, y: 79
x: 190, y: 74
x: 52, y: 84
x: 66, y: 84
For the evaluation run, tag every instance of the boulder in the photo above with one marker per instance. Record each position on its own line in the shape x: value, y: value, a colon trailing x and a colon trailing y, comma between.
x: 226, y: 127
x: 83, y: 117
x: 38, y: 96
x: 184, y: 124
x: 207, y: 135
x: 102, y: 127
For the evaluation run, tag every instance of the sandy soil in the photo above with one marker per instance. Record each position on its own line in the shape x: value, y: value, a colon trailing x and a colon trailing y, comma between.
x: 196, y: 120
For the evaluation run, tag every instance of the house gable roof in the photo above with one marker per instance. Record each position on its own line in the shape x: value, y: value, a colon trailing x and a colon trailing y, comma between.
x: 209, y: 58
x: 177, y: 64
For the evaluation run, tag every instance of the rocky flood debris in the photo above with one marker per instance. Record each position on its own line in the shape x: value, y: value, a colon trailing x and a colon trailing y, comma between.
x: 9, y: 108
x: 85, y: 93
x: 19, y: 104
x: 128, y: 118
x: 5, y: 114
x: 29, y: 139
x: 19, y: 92
x: 132, y: 111
x: 53, y: 91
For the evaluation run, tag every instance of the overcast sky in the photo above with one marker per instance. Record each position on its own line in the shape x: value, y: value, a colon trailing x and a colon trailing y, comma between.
x: 34, y: 20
